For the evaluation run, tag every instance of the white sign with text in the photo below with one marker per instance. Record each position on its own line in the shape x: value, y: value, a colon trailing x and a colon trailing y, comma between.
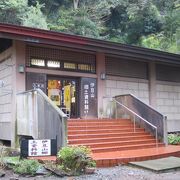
x: 39, y: 147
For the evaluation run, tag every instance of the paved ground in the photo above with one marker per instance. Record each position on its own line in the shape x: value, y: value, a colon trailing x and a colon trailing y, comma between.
x: 160, y: 165
x: 115, y: 173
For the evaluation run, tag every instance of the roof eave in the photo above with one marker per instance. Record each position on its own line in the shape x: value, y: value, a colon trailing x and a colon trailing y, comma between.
x: 62, y: 39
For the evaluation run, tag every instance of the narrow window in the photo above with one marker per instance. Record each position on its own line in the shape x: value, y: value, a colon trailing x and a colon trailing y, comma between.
x: 84, y: 67
x: 53, y: 64
x: 37, y: 62
x: 69, y: 65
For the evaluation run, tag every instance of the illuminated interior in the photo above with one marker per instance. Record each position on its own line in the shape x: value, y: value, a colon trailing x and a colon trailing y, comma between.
x: 63, y: 93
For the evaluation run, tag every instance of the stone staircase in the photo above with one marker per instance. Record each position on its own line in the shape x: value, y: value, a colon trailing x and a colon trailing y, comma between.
x: 106, y: 137
x: 114, y: 142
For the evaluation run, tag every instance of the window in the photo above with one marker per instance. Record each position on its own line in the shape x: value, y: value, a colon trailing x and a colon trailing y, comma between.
x: 60, y: 59
x: 84, y: 67
x: 37, y: 62
x: 69, y: 65
x: 53, y: 64
x: 63, y: 65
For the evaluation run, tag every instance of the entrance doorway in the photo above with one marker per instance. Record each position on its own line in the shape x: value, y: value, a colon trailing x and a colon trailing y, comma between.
x: 63, y: 92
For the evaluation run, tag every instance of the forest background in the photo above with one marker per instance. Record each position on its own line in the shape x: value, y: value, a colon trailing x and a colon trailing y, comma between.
x: 148, y: 23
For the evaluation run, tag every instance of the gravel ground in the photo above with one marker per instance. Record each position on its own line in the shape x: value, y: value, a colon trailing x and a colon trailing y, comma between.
x: 116, y: 173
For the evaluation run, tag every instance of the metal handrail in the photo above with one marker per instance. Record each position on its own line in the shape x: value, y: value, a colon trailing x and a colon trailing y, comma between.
x: 149, y: 106
x: 140, y: 118
x: 135, y: 114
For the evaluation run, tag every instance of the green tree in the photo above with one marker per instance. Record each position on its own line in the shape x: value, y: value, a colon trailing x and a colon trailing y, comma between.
x: 12, y: 11
x: 149, y: 23
x: 133, y: 20
x: 75, y: 22
x: 34, y: 17
x: 18, y: 12
x: 145, y: 20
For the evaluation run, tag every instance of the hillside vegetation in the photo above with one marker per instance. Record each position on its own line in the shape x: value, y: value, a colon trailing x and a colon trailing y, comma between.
x: 149, y: 23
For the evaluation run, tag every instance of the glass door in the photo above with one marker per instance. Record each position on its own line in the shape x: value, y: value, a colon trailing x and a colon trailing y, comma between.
x: 63, y: 92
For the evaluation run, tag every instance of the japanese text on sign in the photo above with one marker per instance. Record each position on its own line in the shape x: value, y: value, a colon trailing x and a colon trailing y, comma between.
x: 92, y: 85
x: 39, y: 147
x: 86, y: 98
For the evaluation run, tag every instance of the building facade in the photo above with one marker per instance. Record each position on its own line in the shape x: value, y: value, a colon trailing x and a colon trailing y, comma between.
x: 78, y: 73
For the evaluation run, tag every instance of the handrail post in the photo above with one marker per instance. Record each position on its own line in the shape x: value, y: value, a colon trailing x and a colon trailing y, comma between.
x: 156, y: 139
x: 64, y: 131
x: 165, y: 139
x: 115, y: 110
x: 36, y: 114
x: 134, y: 118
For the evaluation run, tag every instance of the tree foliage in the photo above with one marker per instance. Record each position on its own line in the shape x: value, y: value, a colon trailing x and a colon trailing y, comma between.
x: 150, y: 23
x: 18, y: 12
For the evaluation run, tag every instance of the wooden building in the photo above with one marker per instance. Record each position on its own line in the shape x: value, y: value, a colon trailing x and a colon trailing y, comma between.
x: 78, y: 73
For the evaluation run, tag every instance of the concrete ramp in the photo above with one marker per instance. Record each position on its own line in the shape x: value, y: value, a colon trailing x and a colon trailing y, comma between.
x: 159, y: 165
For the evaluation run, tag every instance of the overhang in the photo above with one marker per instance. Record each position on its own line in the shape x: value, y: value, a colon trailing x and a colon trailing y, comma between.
x: 40, y: 36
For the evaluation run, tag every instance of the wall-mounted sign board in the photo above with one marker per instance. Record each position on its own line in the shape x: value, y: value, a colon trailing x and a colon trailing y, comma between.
x: 43, y: 147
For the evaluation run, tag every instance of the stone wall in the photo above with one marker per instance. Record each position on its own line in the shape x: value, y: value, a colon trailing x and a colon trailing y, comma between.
x: 118, y: 86
x: 168, y: 103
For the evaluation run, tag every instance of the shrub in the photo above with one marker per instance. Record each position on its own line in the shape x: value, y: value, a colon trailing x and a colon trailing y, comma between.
x: 75, y: 159
x: 26, y: 167
x: 174, y: 139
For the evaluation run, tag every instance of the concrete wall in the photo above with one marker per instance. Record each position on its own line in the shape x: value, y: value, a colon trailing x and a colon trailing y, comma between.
x: 168, y: 103
x: 164, y: 96
x: 117, y: 86
x: 6, y: 94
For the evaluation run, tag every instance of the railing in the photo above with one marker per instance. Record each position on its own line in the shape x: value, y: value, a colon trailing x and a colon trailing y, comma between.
x: 141, y: 113
x: 39, y: 118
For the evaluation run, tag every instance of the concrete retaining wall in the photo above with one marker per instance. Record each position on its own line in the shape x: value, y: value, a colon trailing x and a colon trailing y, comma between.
x: 168, y: 103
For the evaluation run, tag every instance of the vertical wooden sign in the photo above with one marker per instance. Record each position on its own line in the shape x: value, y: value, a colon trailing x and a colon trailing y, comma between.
x: 88, y: 97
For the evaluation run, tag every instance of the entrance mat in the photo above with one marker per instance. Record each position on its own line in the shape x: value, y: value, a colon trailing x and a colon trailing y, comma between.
x: 159, y: 165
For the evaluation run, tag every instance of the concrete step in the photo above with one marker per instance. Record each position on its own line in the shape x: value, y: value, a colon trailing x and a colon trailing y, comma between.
x: 112, y: 144
x: 98, y: 120
x: 99, y: 131
x: 108, y: 139
x: 99, y: 123
x: 99, y: 126
x: 106, y: 135
x: 125, y: 147
x: 108, y: 159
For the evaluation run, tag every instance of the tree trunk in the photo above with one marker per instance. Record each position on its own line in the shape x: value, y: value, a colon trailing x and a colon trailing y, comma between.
x: 75, y: 2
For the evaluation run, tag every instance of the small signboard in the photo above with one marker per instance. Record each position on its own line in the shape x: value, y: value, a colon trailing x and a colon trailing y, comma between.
x: 40, y: 147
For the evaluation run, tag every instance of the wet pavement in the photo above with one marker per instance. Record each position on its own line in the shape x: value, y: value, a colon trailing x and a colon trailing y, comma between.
x: 115, y: 173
